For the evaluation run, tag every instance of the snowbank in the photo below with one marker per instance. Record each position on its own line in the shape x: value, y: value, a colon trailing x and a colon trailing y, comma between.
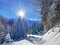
x: 52, y: 37
x: 23, y: 42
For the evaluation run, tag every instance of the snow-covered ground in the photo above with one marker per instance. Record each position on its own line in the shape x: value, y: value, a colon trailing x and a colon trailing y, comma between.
x: 23, y: 42
x: 34, y: 36
x: 52, y: 37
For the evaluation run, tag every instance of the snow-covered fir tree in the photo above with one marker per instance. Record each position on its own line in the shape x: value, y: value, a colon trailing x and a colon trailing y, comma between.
x: 17, y: 32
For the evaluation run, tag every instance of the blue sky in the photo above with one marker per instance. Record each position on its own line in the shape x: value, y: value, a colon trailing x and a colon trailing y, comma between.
x: 9, y: 8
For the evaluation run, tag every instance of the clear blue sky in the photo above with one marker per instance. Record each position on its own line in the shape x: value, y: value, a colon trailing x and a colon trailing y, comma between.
x: 9, y: 8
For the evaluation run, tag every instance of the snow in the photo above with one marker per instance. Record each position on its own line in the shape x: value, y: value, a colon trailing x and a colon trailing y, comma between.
x: 8, y: 38
x: 23, y: 42
x: 52, y: 37
x: 37, y: 36
x: 51, y: 33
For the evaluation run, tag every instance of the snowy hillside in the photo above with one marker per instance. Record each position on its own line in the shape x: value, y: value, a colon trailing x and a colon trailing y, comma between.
x: 52, y: 37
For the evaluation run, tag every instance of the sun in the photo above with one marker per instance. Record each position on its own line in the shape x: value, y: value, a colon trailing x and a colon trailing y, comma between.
x: 21, y: 13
